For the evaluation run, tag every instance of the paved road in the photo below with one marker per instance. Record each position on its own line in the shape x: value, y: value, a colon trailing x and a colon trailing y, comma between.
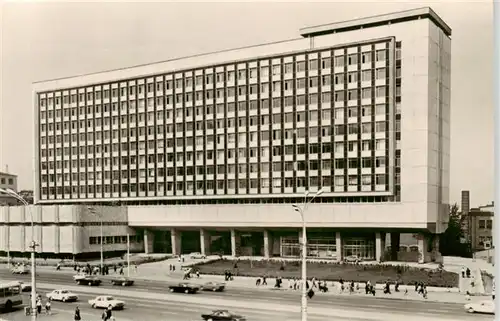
x: 164, y: 307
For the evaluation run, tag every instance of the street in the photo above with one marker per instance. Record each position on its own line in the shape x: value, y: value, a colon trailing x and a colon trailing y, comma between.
x: 151, y: 301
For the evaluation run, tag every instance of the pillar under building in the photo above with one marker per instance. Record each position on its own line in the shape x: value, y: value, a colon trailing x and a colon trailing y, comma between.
x: 204, y: 242
x: 235, y: 243
x: 175, y: 236
x: 268, y: 244
x: 338, y: 245
x: 379, y: 246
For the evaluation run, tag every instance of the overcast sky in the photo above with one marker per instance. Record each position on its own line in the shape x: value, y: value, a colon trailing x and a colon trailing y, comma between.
x: 50, y: 40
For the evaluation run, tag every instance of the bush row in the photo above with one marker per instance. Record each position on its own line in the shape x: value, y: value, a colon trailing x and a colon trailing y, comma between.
x: 332, y: 271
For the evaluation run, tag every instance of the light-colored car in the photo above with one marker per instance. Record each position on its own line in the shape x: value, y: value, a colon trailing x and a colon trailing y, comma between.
x: 487, y: 307
x: 106, y: 301
x: 352, y: 259
x: 20, y: 270
x: 62, y: 295
x: 197, y: 256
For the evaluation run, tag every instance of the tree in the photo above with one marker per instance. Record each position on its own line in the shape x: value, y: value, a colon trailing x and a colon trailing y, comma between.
x: 450, y: 243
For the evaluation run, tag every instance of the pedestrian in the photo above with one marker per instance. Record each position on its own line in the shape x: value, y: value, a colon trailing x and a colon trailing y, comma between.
x: 264, y: 280
x: 39, y: 306
x: 198, y: 274
x: 47, y: 307
x: 463, y: 272
x: 77, y: 314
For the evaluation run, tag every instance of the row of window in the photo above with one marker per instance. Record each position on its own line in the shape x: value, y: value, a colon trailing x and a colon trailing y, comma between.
x: 314, y: 149
x: 221, y: 109
x: 242, y: 138
x: 339, y: 182
x: 121, y: 239
x: 243, y: 105
x: 326, y: 165
x: 230, y: 122
x: 485, y: 224
x: 4, y: 181
x: 229, y: 76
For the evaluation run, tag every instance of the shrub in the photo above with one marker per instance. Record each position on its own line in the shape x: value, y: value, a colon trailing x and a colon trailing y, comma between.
x: 333, y: 271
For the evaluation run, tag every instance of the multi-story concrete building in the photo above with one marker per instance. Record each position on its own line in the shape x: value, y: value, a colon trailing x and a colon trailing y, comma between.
x: 209, y: 152
x: 481, y: 227
x: 8, y: 181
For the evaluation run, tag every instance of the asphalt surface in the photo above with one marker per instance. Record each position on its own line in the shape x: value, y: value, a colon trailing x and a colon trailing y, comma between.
x: 139, y: 307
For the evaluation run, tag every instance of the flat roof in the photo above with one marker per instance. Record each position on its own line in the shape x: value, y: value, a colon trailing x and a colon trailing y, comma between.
x: 7, y: 174
x: 376, y: 21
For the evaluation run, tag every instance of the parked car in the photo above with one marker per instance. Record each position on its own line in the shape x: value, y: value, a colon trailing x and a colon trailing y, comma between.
x: 123, y: 281
x: 87, y: 279
x: 487, y: 307
x: 21, y: 269
x: 184, y: 288
x: 213, y: 286
x: 222, y: 315
x: 105, y: 301
x: 25, y: 287
x: 352, y: 259
x: 197, y: 256
x: 62, y: 295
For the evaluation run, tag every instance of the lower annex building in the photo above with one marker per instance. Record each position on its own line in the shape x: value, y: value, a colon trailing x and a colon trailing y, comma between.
x: 208, y: 153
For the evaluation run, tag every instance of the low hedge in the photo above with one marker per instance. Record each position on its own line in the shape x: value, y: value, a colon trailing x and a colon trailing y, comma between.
x: 332, y: 271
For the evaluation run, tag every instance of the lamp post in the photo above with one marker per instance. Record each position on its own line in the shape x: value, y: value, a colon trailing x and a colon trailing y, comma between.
x: 302, y: 209
x: 32, y: 247
x: 93, y: 211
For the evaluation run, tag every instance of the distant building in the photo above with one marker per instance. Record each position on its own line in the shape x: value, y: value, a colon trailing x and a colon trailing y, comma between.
x: 477, y: 223
x: 8, y: 181
x: 481, y: 227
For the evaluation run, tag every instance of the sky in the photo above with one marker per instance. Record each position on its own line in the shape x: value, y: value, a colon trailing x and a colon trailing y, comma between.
x: 42, y: 40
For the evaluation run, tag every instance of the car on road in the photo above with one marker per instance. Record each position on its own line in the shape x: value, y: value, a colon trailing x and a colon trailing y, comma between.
x: 106, y: 301
x: 121, y: 280
x: 62, y: 295
x: 184, y: 288
x: 196, y: 256
x: 25, y: 287
x: 213, y: 286
x: 20, y: 270
x: 87, y: 280
x: 487, y: 307
x: 352, y: 259
x: 222, y: 315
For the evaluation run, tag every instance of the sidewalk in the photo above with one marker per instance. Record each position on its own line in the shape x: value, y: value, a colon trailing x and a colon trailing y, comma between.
x: 154, y: 273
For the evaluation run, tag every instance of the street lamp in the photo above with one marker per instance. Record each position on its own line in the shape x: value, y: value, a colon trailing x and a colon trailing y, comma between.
x: 10, y: 192
x: 302, y: 211
x: 93, y: 211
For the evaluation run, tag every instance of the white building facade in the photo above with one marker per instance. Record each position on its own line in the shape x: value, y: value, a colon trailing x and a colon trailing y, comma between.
x: 209, y: 152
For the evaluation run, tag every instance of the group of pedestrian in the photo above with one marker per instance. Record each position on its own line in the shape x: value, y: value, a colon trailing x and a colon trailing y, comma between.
x: 107, y: 315
x: 39, y: 305
x: 421, y: 289
x: 466, y: 272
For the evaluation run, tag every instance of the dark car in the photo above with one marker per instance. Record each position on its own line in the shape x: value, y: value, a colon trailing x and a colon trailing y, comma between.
x: 224, y: 315
x: 123, y: 281
x: 87, y: 280
x: 213, y: 286
x: 184, y: 288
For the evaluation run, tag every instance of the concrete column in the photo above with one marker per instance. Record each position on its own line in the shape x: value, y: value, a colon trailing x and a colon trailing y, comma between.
x: 235, y: 243
x: 175, y: 237
x: 268, y: 244
x: 379, y: 246
x: 148, y: 242
x: 205, y: 242
x: 338, y: 245
x: 57, y: 233
x: 436, y: 254
x: 395, y: 242
x: 422, y: 248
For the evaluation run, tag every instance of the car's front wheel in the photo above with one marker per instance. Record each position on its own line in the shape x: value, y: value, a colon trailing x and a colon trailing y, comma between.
x: 186, y: 291
x: 64, y: 299
x: 471, y: 310
x: 93, y: 306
